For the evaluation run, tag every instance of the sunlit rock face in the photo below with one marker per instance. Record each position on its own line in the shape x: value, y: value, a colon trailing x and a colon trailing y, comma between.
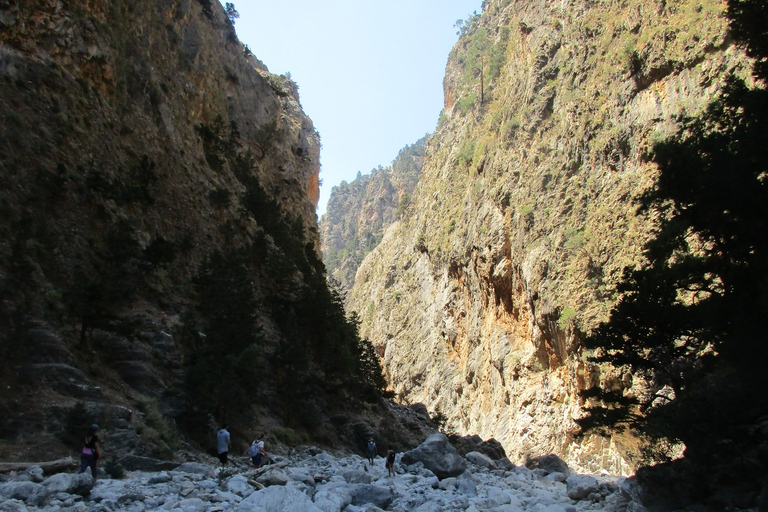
x: 523, y: 218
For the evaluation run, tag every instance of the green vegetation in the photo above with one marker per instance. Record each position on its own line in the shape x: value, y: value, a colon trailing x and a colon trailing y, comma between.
x: 566, y: 317
x: 466, y: 153
x: 482, y: 57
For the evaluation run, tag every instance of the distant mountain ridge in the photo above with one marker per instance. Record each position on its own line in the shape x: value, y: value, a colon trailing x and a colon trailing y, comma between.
x: 359, y: 212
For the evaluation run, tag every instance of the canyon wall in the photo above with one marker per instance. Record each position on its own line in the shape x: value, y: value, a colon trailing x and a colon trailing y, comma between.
x: 523, y: 218
x: 159, y: 247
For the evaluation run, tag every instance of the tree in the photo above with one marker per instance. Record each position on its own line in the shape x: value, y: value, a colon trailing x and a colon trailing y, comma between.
x: 232, y: 13
x: 692, y: 319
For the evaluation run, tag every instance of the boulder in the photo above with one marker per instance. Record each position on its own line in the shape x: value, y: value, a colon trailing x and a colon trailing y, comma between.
x: 549, y: 463
x: 274, y: 477
x: 78, y: 483
x: 357, y: 477
x: 581, y: 486
x: 159, y: 478
x: 302, y: 476
x: 333, y: 498
x: 29, y: 492
x: 192, y: 505
x: 239, y: 485
x: 379, y: 495
x: 35, y: 473
x: 277, y: 499
x: 505, y: 463
x: 474, y: 443
x: 438, y: 456
x: 480, y: 459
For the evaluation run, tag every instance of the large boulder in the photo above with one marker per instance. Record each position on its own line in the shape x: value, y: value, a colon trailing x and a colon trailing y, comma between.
x: 581, y: 486
x: 239, y: 485
x: 333, y: 498
x: 480, y: 459
x: 379, y: 495
x: 274, y: 477
x: 29, y: 492
x: 277, y: 499
x: 438, y: 456
x: 549, y: 464
x: 357, y: 476
x: 78, y: 483
x: 474, y: 443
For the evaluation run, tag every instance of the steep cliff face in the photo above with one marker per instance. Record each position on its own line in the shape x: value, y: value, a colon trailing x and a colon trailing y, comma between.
x: 159, y: 254
x: 358, y: 213
x: 523, y: 218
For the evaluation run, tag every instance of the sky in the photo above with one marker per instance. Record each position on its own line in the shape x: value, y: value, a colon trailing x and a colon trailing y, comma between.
x: 370, y: 72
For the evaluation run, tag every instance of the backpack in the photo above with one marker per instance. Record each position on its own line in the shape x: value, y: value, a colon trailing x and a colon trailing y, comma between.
x: 254, y: 450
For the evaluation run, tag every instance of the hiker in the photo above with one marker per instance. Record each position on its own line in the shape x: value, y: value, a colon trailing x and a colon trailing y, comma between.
x: 252, y: 452
x: 256, y: 451
x: 371, y: 451
x: 391, y: 462
x: 258, y: 460
x: 91, y: 453
x: 223, y: 440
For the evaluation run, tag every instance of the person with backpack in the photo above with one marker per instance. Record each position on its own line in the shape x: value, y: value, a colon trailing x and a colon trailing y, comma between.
x: 91, y: 453
x: 371, y: 451
x: 253, y: 452
x: 261, y: 455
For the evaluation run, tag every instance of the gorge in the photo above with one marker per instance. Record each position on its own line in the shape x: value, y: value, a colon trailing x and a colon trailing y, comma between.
x: 163, y: 271
x: 513, y: 241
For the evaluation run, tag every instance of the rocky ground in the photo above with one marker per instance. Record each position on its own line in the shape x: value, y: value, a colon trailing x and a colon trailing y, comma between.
x: 432, y: 477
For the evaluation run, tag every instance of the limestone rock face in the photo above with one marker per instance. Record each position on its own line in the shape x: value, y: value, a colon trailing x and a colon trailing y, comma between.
x: 523, y: 217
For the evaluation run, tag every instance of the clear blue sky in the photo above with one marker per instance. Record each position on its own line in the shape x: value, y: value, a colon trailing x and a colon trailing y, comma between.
x: 370, y: 72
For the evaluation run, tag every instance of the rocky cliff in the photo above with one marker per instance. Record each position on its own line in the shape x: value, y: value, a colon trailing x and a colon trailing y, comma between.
x: 359, y: 212
x: 523, y: 219
x: 159, y: 250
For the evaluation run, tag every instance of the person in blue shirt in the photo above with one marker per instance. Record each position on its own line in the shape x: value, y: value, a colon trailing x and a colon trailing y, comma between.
x: 223, y: 441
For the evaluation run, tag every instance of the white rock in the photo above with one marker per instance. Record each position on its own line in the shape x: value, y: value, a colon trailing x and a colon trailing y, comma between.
x: 277, y: 499
x: 333, y: 499
x: 29, y: 492
x: 159, y: 478
x: 80, y: 483
x: 580, y: 486
x: 239, y: 485
x: 480, y: 459
x: 192, y: 505
x: 498, y: 495
x: 35, y: 473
